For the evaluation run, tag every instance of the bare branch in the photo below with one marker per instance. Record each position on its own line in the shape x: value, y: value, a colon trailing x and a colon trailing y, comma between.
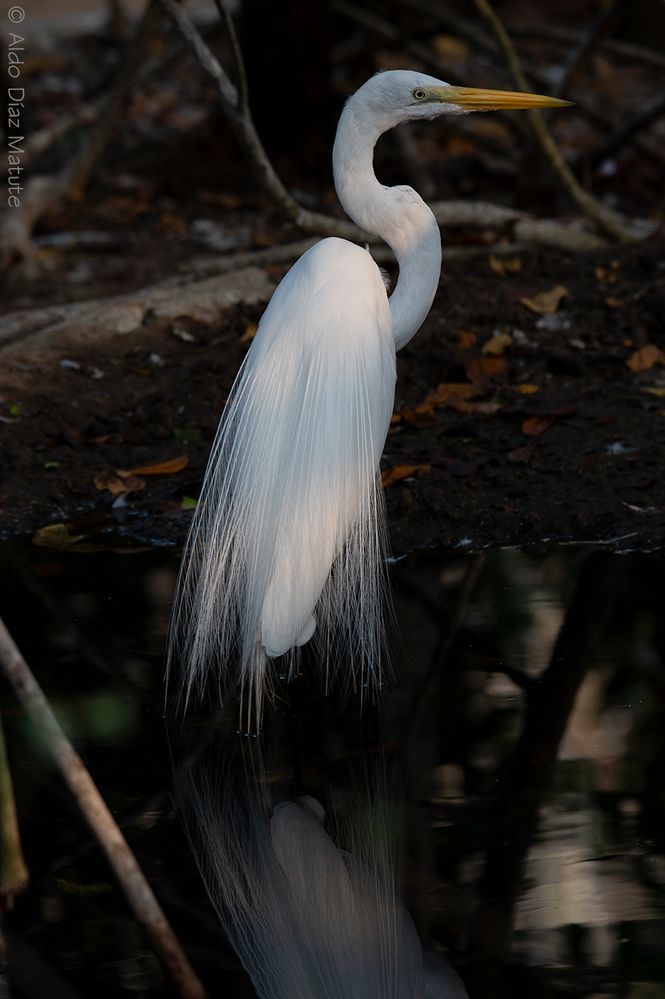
x: 609, y: 221
x: 587, y: 45
x: 243, y: 92
x: 14, y: 874
x: 122, y: 860
x: 629, y: 130
x: 43, y: 194
x: 450, y: 213
x: 227, y: 89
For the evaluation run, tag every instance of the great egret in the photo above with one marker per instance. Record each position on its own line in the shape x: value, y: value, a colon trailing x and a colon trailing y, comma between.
x: 288, y: 538
x: 310, y: 913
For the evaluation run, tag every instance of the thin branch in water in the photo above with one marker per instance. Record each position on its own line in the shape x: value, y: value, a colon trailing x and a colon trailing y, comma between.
x: 14, y: 875
x: 137, y: 890
x: 526, y: 776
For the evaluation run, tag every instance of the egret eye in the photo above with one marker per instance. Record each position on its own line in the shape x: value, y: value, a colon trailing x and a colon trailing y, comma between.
x: 420, y: 94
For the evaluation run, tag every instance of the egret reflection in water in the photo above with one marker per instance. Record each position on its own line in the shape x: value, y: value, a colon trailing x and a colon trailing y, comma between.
x: 307, y: 900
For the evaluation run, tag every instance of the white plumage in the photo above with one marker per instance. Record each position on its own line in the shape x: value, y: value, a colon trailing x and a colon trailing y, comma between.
x: 307, y: 917
x: 288, y: 538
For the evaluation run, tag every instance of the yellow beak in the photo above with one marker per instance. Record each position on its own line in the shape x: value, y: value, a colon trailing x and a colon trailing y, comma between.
x: 472, y: 99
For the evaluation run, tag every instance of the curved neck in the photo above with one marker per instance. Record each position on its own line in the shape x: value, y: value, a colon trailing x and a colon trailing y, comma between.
x: 396, y: 214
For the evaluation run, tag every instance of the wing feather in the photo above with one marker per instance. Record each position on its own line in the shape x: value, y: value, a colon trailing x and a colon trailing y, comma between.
x: 289, y: 533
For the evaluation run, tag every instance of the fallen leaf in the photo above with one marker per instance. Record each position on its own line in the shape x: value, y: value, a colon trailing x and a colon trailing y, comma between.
x: 608, y: 275
x: 466, y: 339
x: 418, y: 416
x: 498, y: 344
x: 505, y: 265
x: 526, y: 388
x: 188, y: 503
x: 389, y: 476
x: 451, y: 394
x: 250, y: 333
x: 614, y: 303
x: 56, y: 536
x: 534, y: 426
x: 547, y: 301
x: 482, y: 371
x: 645, y: 358
x: 118, y: 484
x: 169, y: 467
x: 658, y: 392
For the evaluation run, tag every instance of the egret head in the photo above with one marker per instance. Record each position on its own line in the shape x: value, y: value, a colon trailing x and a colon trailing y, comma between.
x: 396, y: 96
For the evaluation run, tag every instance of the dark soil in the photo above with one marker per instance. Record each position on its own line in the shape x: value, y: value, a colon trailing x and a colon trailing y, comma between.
x: 593, y: 473
x: 576, y: 455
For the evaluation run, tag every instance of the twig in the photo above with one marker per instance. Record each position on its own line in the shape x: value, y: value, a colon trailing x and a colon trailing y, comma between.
x: 629, y: 130
x: 122, y: 860
x: 609, y: 221
x: 243, y: 91
x: 468, y: 30
x: 450, y: 213
x: 42, y: 194
x: 14, y: 874
x: 587, y: 45
x: 45, y: 137
x: 566, y: 36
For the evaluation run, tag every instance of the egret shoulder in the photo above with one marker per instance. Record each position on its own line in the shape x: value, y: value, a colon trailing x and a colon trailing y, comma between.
x: 335, y: 286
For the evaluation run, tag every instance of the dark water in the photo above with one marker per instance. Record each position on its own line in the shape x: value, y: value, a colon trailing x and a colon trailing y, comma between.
x: 525, y: 718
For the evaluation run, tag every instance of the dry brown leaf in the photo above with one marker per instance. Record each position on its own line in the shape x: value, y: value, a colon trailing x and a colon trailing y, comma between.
x: 534, y: 426
x: 658, y: 392
x: 418, y: 416
x: 450, y: 394
x: 250, y: 333
x: 608, y: 275
x: 56, y: 536
x: 389, y: 476
x: 504, y: 265
x: 466, y: 339
x: 169, y: 467
x: 526, y: 388
x: 498, y: 344
x: 645, y: 358
x: 117, y: 485
x: 614, y: 303
x: 484, y: 370
x: 547, y: 301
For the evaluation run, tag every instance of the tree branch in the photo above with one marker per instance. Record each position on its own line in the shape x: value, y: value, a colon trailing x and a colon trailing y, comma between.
x: 122, y: 860
x: 42, y: 194
x: 609, y: 221
x: 14, y: 874
x: 527, y: 229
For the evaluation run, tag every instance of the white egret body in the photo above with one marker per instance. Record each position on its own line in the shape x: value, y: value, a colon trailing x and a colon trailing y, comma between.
x: 307, y: 917
x: 287, y: 541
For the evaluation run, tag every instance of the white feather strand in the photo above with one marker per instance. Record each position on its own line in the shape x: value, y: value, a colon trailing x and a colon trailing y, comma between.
x: 289, y: 533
